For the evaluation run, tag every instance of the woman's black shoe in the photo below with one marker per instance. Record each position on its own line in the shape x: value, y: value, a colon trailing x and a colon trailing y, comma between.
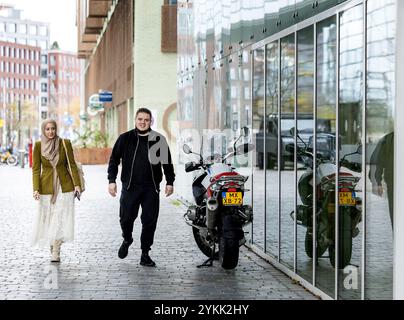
x: 123, y: 250
x: 145, y: 260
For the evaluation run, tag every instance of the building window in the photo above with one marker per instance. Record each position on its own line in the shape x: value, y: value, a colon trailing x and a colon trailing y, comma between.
x: 22, y: 41
x: 44, y: 73
x: 44, y: 87
x: 2, y: 27
x: 44, y: 115
x: 43, y: 44
x: 52, y: 60
x: 43, y: 31
x: 12, y: 28
x: 44, y: 101
x: 44, y: 59
x: 23, y: 28
x: 32, y: 30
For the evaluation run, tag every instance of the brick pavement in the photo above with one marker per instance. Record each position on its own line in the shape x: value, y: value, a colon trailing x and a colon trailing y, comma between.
x: 91, y: 269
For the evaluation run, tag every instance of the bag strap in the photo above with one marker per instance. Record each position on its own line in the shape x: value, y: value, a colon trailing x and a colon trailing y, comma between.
x: 68, y: 161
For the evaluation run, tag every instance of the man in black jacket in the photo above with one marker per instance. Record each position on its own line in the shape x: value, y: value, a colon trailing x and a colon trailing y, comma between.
x: 382, y: 168
x: 143, y: 153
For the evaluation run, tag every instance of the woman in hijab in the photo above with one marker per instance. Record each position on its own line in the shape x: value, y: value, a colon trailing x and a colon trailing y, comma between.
x: 55, y: 188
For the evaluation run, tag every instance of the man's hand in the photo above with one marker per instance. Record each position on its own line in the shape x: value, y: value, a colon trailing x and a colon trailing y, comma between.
x: 169, y: 190
x: 377, y: 190
x: 112, y: 189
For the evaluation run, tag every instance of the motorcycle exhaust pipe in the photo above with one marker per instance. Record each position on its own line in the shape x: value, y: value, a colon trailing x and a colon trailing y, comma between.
x: 211, y: 209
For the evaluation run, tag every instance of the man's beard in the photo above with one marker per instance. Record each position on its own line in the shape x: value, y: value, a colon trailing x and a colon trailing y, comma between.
x: 143, y: 131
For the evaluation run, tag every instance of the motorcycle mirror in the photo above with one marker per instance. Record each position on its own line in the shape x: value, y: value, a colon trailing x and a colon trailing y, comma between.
x: 187, y: 149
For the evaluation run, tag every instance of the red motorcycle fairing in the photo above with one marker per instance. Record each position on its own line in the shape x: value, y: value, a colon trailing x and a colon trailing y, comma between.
x: 217, y: 177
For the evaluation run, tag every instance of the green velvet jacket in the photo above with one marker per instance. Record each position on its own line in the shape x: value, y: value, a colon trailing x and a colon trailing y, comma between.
x: 42, y: 171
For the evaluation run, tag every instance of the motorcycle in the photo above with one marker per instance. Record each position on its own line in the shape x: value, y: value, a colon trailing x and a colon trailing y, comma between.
x: 350, y: 213
x: 218, y: 215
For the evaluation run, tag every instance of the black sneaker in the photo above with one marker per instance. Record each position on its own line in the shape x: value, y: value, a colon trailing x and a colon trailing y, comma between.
x: 145, y: 260
x: 123, y: 250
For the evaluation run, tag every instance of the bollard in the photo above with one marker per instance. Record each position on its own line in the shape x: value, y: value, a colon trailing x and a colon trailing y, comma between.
x: 21, y: 155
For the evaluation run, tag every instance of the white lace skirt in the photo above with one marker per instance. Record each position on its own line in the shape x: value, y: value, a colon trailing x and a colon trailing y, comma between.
x: 54, y: 221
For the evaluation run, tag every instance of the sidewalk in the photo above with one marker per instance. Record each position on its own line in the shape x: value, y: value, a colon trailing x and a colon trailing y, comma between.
x: 91, y: 269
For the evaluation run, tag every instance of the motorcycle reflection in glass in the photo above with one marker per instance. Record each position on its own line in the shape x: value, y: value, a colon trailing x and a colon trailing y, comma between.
x: 218, y: 215
x: 350, y: 213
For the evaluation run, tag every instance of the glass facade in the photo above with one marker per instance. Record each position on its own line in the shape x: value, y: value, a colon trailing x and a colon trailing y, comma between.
x: 314, y: 81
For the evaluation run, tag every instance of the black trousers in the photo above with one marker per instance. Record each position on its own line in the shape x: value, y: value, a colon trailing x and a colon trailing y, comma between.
x: 149, y: 200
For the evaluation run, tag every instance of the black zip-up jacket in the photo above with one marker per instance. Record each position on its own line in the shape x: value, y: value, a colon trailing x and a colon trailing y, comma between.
x: 125, y: 149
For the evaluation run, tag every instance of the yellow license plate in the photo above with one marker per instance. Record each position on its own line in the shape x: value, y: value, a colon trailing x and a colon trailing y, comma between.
x: 347, y: 199
x: 232, y: 198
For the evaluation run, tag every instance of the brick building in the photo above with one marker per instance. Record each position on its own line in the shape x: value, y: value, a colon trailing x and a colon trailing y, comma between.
x: 130, y: 50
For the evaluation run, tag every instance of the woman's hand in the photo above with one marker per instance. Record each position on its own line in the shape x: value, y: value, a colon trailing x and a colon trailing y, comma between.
x: 36, y: 195
x: 77, y: 190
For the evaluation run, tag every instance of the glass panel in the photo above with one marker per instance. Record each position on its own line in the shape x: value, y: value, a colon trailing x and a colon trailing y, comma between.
x: 271, y: 150
x: 380, y: 149
x: 305, y: 125
x: 258, y: 119
x: 325, y: 144
x: 287, y: 157
x: 350, y: 174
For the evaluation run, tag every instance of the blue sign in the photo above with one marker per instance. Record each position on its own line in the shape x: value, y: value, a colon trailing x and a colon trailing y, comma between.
x: 68, y: 120
x: 105, y: 96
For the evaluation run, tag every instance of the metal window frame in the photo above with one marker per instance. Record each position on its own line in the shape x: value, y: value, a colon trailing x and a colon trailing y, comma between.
x: 295, y: 157
x: 279, y: 145
x: 335, y: 11
x: 265, y: 151
x: 315, y: 158
x: 364, y: 146
x: 337, y: 153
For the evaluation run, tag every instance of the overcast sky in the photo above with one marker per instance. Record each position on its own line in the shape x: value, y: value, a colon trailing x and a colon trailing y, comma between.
x: 61, y: 14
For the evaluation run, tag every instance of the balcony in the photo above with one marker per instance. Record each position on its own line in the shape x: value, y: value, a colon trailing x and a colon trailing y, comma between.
x: 91, y: 15
x: 169, y: 27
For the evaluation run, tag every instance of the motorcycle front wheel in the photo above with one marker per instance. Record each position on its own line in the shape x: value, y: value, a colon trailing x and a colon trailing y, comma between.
x: 345, y: 240
x: 229, y: 246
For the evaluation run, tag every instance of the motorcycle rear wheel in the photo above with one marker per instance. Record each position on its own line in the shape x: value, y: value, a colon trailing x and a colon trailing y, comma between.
x: 229, y: 245
x: 345, y: 240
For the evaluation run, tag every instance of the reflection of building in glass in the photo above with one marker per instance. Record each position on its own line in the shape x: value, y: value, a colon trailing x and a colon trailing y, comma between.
x: 278, y: 65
